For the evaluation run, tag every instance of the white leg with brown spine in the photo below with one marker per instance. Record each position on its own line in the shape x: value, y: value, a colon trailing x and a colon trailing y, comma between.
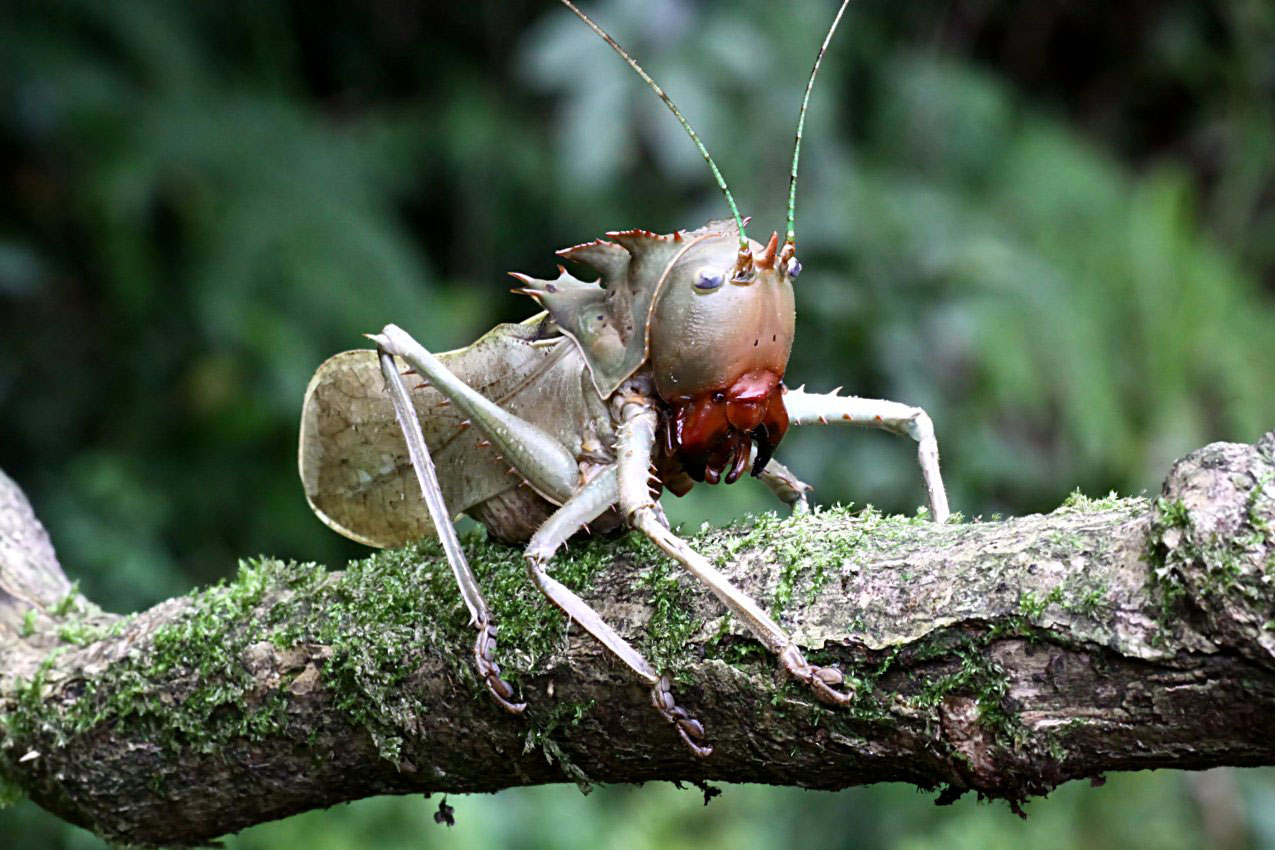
x: 831, y: 409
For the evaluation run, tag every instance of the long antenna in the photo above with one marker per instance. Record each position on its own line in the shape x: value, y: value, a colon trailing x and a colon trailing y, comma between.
x: 655, y: 87
x: 791, y: 238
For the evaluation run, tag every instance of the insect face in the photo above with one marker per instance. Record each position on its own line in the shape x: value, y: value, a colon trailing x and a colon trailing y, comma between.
x: 719, y: 347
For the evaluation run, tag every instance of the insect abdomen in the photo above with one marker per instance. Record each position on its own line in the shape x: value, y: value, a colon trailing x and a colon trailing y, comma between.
x: 512, y: 516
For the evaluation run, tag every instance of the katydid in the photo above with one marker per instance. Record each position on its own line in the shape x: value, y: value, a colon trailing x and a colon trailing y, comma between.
x: 665, y: 371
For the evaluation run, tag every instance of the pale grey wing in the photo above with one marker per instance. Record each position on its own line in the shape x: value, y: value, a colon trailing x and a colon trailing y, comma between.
x: 353, y: 461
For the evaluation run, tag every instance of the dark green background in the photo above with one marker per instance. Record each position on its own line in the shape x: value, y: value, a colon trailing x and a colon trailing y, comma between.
x: 1052, y: 225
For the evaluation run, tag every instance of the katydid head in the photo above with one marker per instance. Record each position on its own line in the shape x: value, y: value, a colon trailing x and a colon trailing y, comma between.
x: 719, y: 347
x: 721, y: 328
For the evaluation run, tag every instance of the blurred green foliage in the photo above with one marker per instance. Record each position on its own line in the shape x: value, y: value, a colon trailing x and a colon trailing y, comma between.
x: 1052, y: 226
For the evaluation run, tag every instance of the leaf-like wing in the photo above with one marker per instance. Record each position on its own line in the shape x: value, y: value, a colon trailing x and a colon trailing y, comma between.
x: 353, y: 460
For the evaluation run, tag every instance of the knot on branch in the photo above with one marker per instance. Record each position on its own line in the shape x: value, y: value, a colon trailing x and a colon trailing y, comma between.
x: 1213, y: 543
x: 32, y: 583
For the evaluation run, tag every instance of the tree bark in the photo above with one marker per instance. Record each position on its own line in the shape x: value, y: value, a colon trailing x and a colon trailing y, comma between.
x: 1002, y: 657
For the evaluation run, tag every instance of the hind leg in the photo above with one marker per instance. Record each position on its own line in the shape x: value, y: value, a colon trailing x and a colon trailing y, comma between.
x: 485, y: 645
x: 543, y: 462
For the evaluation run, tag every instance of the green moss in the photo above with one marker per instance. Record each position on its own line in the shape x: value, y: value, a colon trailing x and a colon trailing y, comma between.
x: 1033, y: 607
x: 808, y: 558
x: 870, y: 702
x: 370, y: 617
x: 1256, y: 519
x: 562, y: 716
x: 200, y: 653
x: 530, y: 628
x: 26, y: 709
x: 192, y: 688
x: 735, y: 650
x: 1078, y: 598
x: 1164, y: 584
x: 977, y: 676
x: 1213, y: 567
x: 1092, y: 602
x: 28, y: 624
x: 82, y: 630
x: 1055, y: 737
x: 924, y: 673
x: 1078, y: 502
x: 673, y: 622
x: 198, y: 656
x: 1173, y: 513
x: 67, y: 603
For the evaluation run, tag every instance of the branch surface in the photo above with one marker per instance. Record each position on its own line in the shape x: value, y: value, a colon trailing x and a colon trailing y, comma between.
x: 999, y: 657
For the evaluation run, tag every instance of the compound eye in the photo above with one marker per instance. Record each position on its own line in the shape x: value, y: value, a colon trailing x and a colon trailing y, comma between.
x: 707, y: 280
x: 794, y: 268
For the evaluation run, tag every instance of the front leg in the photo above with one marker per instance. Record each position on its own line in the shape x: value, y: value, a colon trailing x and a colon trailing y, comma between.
x: 636, y: 443
x: 831, y: 409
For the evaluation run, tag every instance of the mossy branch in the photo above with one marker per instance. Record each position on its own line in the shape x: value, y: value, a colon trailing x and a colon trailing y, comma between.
x: 999, y: 657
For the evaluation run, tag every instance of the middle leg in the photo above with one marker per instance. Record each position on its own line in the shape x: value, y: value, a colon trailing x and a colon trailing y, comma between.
x: 786, y: 486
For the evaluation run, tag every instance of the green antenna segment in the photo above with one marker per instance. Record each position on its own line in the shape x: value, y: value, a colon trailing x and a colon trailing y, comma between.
x: 791, y: 238
x: 655, y: 87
